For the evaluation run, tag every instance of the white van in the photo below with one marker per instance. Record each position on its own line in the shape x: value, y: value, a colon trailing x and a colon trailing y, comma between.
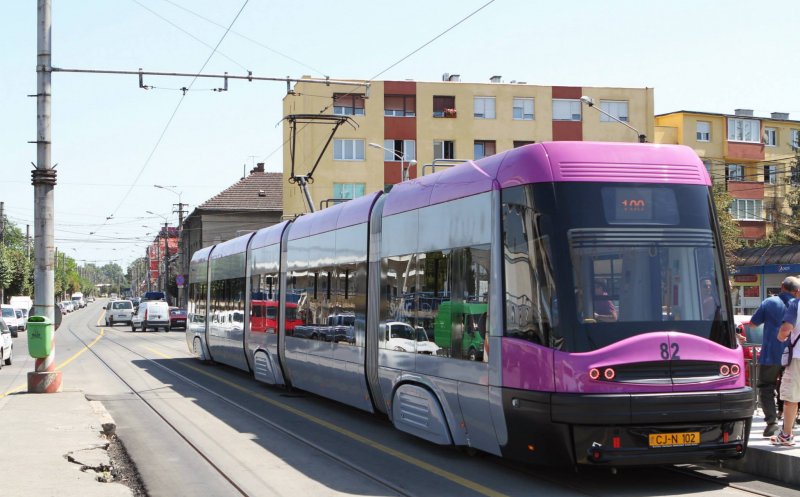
x: 151, y: 314
x: 10, y: 317
x: 77, y: 299
x: 119, y: 310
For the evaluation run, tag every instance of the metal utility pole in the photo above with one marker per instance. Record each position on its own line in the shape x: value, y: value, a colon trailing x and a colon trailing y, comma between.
x: 45, y: 379
x: 2, y: 242
x: 166, y: 262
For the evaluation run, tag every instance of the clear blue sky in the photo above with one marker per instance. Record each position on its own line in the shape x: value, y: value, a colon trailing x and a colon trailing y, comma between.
x: 711, y: 56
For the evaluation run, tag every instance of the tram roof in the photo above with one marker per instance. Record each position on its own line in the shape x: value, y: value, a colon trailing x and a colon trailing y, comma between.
x: 342, y: 215
x: 549, y: 162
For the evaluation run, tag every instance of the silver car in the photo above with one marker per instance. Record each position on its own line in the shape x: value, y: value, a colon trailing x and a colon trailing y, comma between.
x: 6, y: 345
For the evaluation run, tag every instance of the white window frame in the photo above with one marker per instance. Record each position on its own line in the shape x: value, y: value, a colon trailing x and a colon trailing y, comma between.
x: 735, y: 172
x: 771, y: 137
x: 703, y: 131
x: 523, y: 109
x: 484, y: 108
x: 747, y: 209
x: 349, y: 190
x: 772, y: 174
x: 565, y: 109
x: 408, y: 150
x: 744, y: 130
x: 439, y: 147
x: 348, y: 149
x: 617, y: 108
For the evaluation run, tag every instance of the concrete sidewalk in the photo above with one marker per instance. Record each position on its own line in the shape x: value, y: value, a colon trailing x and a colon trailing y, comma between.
x: 55, y: 445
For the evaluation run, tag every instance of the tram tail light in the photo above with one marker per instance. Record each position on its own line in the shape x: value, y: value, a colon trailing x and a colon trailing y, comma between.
x: 616, y: 442
x: 609, y: 374
x: 735, y: 369
x: 594, y: 373
x: 725, y: 437
x: 724, y: 370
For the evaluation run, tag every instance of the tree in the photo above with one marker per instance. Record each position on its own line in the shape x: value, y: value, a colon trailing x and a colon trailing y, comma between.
x: 729, y: 229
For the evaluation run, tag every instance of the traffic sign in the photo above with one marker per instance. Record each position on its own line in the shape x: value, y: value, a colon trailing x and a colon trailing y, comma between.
x: 179, y: 280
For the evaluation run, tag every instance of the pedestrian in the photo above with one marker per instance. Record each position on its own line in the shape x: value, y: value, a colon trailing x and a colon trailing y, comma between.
x: 790, y: 381
x: 771, y: 314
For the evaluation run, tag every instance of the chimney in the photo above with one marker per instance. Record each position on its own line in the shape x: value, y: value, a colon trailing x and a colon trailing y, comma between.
x: 446, y: 76
x: 780, y: 115
x: 454, y: 78
x: 743, y: 112
x: 258, y: 169
x: 495, y: 79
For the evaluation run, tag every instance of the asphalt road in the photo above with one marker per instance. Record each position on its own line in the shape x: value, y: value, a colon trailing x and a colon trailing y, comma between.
x: 209, y: 430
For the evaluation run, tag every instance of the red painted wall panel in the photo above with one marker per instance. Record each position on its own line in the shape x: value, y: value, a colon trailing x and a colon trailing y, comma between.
x: 567, y: 130
x: 753, y: 229
x: 567, y: 91
x: 746, y: 189
x: 745, y: 151
x: 399, y: 87
x: 400, y: 128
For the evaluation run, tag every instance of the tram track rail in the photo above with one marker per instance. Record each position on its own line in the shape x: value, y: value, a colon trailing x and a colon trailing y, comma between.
x: 371, y: 475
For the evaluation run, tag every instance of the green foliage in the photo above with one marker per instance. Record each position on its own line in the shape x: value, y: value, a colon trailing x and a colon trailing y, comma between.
x: 729, y: 229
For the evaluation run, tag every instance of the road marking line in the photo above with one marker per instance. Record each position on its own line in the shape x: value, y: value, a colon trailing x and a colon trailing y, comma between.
x: 476, y: 487
x: 60, y: 366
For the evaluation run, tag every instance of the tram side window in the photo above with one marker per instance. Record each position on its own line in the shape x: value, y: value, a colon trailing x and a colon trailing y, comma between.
x: 197, y: 302
x: 349, y: 304
x: 530, y: 293
x: 462, y: 314
x: 400, y: 307
x: 264, y: 303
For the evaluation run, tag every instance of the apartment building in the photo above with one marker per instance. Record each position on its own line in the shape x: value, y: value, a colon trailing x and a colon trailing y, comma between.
x: 405, y: 129
x: 754, y: 157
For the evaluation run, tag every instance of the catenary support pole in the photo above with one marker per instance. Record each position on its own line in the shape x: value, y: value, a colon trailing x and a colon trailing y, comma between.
x: 45, y: 379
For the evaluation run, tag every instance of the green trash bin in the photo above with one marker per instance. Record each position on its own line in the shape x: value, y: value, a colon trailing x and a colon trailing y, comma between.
x: 40, y: 336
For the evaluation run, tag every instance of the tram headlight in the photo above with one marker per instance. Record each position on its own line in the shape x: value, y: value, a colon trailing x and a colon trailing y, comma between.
x: 594, y: 373
x: 609, y: 374
x: 735, y: 369
x: 724, y: 370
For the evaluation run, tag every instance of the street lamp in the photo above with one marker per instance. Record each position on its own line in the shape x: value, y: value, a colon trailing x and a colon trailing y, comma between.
x: 402, y: 157
x: 590, y: 102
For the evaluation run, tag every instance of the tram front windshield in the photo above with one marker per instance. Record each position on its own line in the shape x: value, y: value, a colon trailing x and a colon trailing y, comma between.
x: 590, y: 264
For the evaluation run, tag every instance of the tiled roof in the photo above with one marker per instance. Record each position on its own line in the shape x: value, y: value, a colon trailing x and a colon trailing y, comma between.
x: 258, y: 191
x: 774, y: 254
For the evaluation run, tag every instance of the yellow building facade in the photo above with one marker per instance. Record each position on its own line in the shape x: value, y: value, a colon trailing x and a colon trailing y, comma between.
x: 397, y: 129
x: 752, y: 155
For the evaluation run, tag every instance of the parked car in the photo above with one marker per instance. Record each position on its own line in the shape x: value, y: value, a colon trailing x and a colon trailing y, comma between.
x: 151, y: 314
x: 403, y: 337
x: 751, y: 348
x: 177, y: 318
x: 6, y: 345
x: 119, y: 311
x: 10, y: 317
x: 22, y: 324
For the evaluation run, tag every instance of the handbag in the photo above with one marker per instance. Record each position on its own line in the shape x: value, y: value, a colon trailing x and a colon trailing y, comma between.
x: 786, y: 357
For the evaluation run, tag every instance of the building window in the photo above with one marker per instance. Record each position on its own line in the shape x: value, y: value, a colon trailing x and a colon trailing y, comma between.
x: 484, y: 108
x: 616, y: 108
x: 348, y: 149
x: 743, y: 130
x: 444, y: 106
x: 348, y: 190
x: 770, y: 174
x: 394, y: 150
x: 523, y: 109
x: 443, y: 149
x: 703, y: 131
x: 400, y: 105
x: 771, y: 137
x: 734, y: 172
x: 708, y: 163
x: 566, y: 110
x: 519, y: 143
x: 745, y: 209
x: 348, y: 104
x: 484, y: 148
x: 795, y: 137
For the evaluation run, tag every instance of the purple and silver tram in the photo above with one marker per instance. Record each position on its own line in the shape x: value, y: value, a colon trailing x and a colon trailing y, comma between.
x: 559, y: 303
